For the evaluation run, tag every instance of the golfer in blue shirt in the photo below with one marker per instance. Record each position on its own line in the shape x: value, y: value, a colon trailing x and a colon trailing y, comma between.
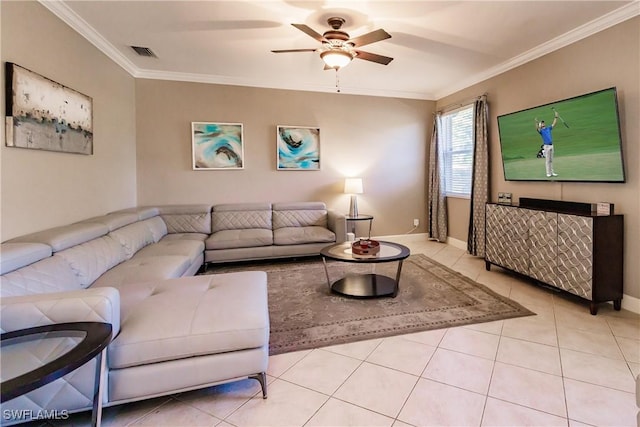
x: 547, y: 143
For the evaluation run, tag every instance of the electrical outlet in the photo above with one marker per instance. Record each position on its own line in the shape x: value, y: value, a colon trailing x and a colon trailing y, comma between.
x: 416, y: 222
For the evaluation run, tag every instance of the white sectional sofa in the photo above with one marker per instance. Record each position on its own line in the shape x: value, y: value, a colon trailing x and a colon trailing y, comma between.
x: 134, y: 269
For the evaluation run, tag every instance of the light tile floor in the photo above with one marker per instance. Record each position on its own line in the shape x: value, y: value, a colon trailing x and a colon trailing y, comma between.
x: 562, y: 367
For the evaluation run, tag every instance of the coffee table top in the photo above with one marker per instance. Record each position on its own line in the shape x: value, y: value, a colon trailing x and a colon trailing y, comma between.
x: 389, y: 251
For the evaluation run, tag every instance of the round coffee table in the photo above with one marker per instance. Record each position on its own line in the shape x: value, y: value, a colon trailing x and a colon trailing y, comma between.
x: 365, y: 285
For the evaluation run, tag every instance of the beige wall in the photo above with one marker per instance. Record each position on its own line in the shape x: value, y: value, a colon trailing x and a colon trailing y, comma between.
x: 44, y: 189
x: 610, y: 58
x: 382, y: 140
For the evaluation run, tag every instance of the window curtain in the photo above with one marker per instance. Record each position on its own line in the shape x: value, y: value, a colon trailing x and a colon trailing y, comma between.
x: 437, y: 212
x: 479, y: 179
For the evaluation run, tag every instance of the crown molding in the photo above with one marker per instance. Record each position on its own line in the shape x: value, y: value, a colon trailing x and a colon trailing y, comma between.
x: 75, y: 21
x: 67, y: 15
x: 233, y: 81
x: 615, y: 17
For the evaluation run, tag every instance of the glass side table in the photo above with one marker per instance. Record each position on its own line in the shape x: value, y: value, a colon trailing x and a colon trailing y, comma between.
x: 33, y: 357
x: 363, y: 217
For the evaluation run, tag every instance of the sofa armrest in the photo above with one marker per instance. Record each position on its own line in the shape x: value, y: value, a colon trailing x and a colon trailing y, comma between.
x: 338, y: 224
x: 86, y: 305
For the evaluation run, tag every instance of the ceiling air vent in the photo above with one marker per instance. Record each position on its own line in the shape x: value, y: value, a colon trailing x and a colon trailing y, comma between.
x: 144, y: 51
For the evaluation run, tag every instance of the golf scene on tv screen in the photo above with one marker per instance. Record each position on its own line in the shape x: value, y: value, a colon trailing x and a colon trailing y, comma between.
x: 576, y: 139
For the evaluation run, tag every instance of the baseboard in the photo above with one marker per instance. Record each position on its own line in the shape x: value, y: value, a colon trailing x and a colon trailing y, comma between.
x: 631, y: 303
x: 460, y: 244
x: 413, y: 237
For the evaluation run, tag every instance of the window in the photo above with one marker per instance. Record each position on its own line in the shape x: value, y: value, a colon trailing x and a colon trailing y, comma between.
x: 455, y: 138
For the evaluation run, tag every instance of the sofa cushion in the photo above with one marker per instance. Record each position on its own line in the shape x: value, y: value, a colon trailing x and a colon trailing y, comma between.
x: 187, y: 218
x: 89, y: 260
x: 302, y: 235
x: 157, y: 227
x: 192, y: 249
x: 52, y: 274
x: 299, y: 218
x: 241, y: 216
x: 242, y: 238
x: 209, y: 314
x: 114, y: 221
x: 17, y: 255
x: 200, y: 237
x: 143, y: 212
x: 144, y: 269
x: 133, y: 237
x: 61, y: 238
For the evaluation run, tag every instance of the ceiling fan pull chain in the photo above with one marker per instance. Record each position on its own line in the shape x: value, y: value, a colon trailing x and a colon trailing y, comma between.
x: 337, y: 81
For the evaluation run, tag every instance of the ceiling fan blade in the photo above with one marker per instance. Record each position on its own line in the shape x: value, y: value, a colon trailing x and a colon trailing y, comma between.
x: 373, y: 57
x: 311, y: 32
x: 372, y: 37
x: 293, y: 50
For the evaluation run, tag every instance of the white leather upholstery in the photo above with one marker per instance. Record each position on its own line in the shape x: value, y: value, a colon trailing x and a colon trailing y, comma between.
x: 240, y: 238
x: 302, y: 235
x: 53, y: 274
x: 192, y: 249
x: 61, y: 238
x: 133, y: 237
x: 115, y: 220
x: 157, y: 379
x: 239, y: 321
x: 240, y: 216
x: 157, y: 227
x: 91, y: 259
x: 300, y: 218
x: 187, y: 218
x: 85, y: 305
x: 144, y: 269
x: 16, y: 255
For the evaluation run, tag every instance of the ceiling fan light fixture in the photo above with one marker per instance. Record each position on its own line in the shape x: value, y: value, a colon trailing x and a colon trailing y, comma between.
x: 336, y: 58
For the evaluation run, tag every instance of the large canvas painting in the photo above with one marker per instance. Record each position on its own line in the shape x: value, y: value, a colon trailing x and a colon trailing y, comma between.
x: 298, y: 148
x: 45, y: 115
x: 217, y: 146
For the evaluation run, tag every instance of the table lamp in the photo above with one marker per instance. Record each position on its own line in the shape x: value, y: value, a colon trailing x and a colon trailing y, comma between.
x: 353, y: 186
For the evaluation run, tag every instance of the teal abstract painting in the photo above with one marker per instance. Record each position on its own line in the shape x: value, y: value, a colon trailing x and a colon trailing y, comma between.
x: 217, y: 146
x: 298, y: 148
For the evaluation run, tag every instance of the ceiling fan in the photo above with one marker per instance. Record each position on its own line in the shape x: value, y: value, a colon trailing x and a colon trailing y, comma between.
x: 338, y: 49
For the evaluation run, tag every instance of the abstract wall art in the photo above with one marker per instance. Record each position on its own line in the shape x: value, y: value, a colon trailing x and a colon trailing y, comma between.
x: 217, y: 146
x: 298, y: 148
x: 45, y: 115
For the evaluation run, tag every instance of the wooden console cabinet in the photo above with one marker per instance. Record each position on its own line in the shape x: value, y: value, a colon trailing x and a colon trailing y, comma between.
x: 561, y: 244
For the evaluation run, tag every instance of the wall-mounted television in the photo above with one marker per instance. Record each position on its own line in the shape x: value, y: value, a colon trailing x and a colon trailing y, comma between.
x: 585, y: 139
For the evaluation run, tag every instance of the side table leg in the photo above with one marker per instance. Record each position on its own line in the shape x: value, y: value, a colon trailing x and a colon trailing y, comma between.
x: 326, y: 272
x: 96, y: 415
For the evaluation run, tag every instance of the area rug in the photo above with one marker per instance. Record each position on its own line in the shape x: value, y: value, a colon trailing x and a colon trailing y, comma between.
x: 304, y: 314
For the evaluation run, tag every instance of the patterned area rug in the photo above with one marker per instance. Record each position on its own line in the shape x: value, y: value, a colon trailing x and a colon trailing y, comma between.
x: 304, y: 314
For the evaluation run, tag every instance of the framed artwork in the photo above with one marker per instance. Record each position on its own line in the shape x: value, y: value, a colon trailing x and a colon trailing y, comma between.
x: 217, y: 146
x: 298, y: 148
x: 45, y: 115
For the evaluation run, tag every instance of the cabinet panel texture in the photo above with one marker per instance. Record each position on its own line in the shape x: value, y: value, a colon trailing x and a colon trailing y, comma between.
x: 575, y: 254
x: 543, y: 247
x: 580, y: 253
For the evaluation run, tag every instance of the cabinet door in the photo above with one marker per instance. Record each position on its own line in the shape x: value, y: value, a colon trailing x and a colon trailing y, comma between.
x: 506, y: 237
x: 575, y: 254
x: 543, y: 246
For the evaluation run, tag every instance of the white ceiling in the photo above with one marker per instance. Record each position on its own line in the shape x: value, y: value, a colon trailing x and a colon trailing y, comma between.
x: 438, y: 47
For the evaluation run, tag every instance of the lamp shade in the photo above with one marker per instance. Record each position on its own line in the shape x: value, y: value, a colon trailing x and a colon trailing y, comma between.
x: 353, y: 186
x: 336, y: 58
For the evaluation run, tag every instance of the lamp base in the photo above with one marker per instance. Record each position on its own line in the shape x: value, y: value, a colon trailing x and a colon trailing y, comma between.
x: 353, y: 207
